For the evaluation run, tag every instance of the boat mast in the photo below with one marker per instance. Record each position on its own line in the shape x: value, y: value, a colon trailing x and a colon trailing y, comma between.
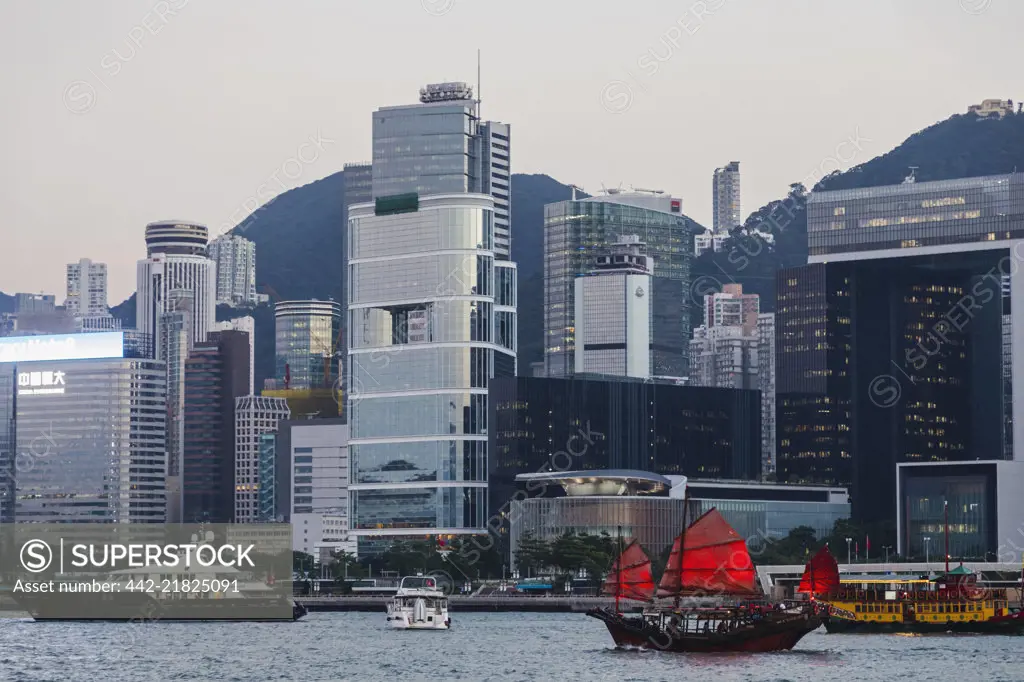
x: 618, y: 571
x: 682, y: 542
x: 945, y: 511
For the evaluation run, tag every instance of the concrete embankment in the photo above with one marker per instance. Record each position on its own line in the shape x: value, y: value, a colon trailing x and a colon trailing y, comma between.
x: 464, y: 604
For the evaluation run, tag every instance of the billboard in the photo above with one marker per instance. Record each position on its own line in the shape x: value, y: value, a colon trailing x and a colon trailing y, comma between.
x: 62, y: 347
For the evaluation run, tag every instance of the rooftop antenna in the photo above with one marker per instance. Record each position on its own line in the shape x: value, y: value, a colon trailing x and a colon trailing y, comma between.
x: 575, y: 188
x: 910, y: 179
x: 479, y: 93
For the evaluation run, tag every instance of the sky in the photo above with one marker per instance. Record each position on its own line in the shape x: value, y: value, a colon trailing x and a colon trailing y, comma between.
x: 116, y: 113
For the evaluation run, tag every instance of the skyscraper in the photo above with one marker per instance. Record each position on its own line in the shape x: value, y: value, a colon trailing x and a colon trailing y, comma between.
x: 86, y: 288
x: 766, y: 383
x: 726, y: 193
x: 577, y: 231
x: 306, y: 335
x: 431, y: 318
x: 235, y: 257
x: 247, y: 325
x: 254, y: 416
x: 216, y: 374
x: 732, y: 308
x: 174, y: 337
x: 176, y: 259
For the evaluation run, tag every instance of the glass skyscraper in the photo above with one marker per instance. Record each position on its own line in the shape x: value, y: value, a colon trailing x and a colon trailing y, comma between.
x: 83, y: 440
x: 431, y: 318
x: 306, y: 340
x: 577, y: 232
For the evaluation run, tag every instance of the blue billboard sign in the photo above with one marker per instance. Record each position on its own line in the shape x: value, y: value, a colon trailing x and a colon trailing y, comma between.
x: 62, y: 347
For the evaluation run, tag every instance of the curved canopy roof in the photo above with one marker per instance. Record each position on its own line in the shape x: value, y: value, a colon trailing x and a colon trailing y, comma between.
x: 603, y: 482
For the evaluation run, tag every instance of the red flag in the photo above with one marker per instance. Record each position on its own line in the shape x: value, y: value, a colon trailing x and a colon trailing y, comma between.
x: 867, y: 543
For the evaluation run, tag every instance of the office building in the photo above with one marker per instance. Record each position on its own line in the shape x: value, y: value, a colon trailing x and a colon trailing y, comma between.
x: 726, y: 193
x: 423, y: 347
x: 544, y: 424
x: 311, y: 482
x: 174, y: 331
x: 85, y: 324
x: 980, y: 499
x: 82, y: 430
x: 236, y: 270
x: 269, y: 509
x: 254, y: 416
x: 613, y: 313
x: 890, y: 342
x: 307, y: 335
x: 34, y: 303
x: 246, y: 325
x: 638, y: 505
x: 766, y: 384
x: 86, y: 288
x: 216, y: 374
x: 176, y: 259
x: 576, y: 232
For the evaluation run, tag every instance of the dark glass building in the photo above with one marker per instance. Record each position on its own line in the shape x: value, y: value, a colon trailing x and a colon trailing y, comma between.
x: 891, y: 344
x: 216, y: 372
x: 542, y: 424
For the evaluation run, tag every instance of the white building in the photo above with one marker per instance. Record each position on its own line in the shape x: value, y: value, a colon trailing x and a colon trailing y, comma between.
x: 254, y: 416
x: 176, y: 259
x: 613, y: 313
x: 86, y: 288
x: 236, y: 269
x: 732, y: 308
x: 708, y: 241
x: 766, y: 383
x: 726, y: 191
x: 242, y: 324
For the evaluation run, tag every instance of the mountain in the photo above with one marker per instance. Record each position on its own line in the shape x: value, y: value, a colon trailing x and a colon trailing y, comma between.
x: 299, y: 234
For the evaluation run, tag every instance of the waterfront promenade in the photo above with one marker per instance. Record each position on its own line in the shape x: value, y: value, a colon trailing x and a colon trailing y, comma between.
x: 465, y: 603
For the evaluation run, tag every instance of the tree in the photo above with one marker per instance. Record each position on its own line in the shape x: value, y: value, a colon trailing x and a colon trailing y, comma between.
x: 302, y: 563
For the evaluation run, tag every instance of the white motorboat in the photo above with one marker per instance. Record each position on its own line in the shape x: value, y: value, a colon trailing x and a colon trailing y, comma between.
x: 419, y: 604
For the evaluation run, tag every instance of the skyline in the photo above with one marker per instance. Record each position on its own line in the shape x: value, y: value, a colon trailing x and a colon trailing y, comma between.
x: 238, y: 94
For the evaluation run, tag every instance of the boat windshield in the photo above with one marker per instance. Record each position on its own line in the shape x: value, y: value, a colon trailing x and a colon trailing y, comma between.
x: 419, y: 583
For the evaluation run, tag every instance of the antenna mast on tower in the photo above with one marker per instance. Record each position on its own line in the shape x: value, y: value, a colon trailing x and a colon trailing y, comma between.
x: 479, y: 94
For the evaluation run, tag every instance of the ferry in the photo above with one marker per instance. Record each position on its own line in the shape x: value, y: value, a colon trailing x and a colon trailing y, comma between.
x: 419, y: 604
x: 951, y: 602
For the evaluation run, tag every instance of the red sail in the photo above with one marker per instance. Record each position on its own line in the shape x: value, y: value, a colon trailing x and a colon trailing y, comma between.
x: 634, y: 580
x: 715, y: 560
x: 821, y: 576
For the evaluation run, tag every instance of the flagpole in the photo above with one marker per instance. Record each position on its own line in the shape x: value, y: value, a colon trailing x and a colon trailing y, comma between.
x: 945, y: 511
x: 618, y: 571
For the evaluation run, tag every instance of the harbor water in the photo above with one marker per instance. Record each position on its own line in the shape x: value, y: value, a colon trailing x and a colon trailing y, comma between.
x: 484, y: 646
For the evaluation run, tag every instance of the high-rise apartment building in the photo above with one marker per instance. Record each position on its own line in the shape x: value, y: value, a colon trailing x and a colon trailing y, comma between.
x: 724, y: 357
x: 176, y: 259
x: 578, y: 231
x: 732, y: 308
x: 431, y: 318
x: 254, y: 416
x: 82, y: 430
x: 216, y: 374
x: 306, y: 342
x: 726, y: 193
x: 86, y: 288
x: 890, y: 342
x: 235, y: 257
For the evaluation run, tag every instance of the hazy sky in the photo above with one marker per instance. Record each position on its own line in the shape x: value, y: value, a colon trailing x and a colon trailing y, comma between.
x: 116, y: 113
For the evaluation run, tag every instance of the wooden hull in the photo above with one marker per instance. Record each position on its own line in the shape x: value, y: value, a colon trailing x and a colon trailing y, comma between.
x: 1003, y: 625
x: 778, y: 635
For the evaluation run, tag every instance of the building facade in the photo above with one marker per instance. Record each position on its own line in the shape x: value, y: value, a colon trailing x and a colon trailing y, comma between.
x: 174, y: 331
x: 546, y: 424
x: 890, y: 340
x: 724, y: 357
x: 82, y: 431
x: 254, y: 416
x: 236, y: 269
x: 216, y: 374
x: 176, y: 259
x: 34, y: 303
x: 766, y: 384
x: 307, y: 338
x: 732, y: 308
x: 576, y: 232
x: 86, y: 288
x: 246, y: 325
x: 613, y: 313
x: 725, y: 187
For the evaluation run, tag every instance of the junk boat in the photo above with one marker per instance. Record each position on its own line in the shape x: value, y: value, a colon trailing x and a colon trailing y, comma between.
x: 419, y: 605
x: 709, y: 567
x: 951, y: 602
